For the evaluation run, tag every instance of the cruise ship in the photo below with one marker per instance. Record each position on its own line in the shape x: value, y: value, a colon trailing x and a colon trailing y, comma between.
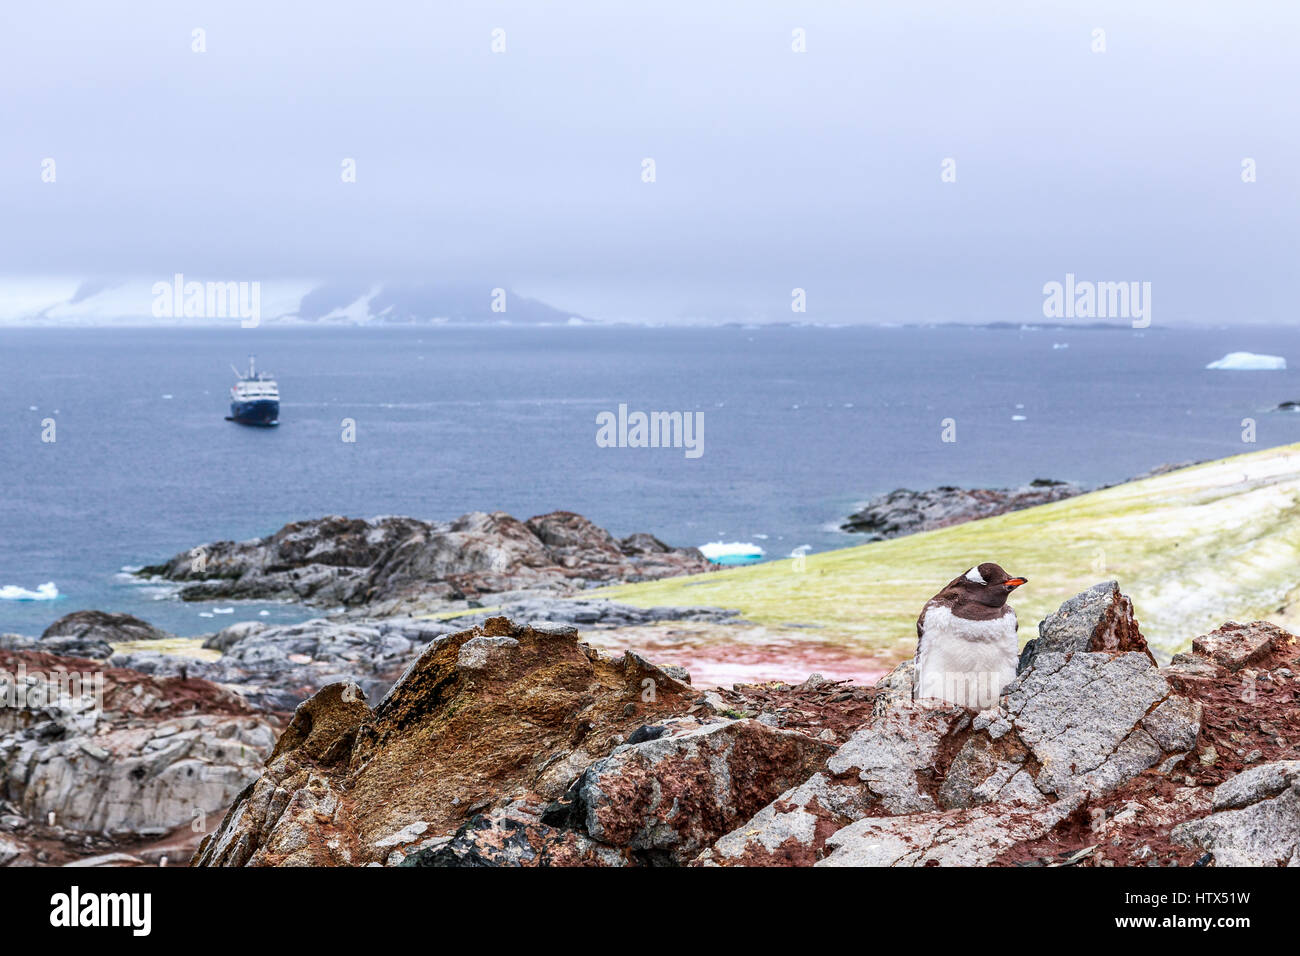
x: 255, y: 398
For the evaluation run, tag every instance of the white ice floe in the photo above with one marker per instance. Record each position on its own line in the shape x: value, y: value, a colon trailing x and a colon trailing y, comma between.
x: 1249, y: 362
x: 223, y: 610
x: 731, y: 552
x: 1018, y: 418
x: 43, y: 592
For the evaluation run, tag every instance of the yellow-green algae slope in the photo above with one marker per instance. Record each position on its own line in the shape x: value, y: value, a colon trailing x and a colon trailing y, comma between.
x: 1193, y: 548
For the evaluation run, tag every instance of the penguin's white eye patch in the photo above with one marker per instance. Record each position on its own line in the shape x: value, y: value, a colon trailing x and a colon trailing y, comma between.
x: 974, y: 575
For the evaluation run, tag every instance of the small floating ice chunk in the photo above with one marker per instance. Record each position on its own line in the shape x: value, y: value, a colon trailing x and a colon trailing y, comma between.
x: 205, y: 614
x: 264, y: 613
x: 1018, y: 418
x: 1060, y: 345
x: 43, y: 592
x: 731, y: 552
x: 1249, y: 362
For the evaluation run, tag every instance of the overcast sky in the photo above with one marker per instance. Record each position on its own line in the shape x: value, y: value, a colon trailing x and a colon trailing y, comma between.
x: 774, y: 169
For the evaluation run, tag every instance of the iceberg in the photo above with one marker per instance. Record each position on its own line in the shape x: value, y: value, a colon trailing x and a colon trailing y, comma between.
x: 1249, y: 362
x: 732, y: 552
x: 43, y: 592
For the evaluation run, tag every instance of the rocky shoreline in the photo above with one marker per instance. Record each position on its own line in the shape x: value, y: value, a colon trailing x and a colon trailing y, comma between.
x: 393, y: 565
x: 905, y: 511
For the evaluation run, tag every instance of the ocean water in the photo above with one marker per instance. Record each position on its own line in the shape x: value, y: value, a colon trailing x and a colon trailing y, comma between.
x: 799, y: 425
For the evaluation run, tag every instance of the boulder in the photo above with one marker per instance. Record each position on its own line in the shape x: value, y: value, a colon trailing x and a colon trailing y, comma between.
x: 103, y: 628
x: 1256, y: 819
x: 974, y: 837
x: 895, y: 688
x: 1235, y: 646
x: 478, y: 718
x: 512, y: 836
x: 1098, y: 619
x: 668, y: 798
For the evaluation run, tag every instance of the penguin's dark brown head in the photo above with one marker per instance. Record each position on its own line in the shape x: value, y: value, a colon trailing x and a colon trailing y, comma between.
x: 987, y: 584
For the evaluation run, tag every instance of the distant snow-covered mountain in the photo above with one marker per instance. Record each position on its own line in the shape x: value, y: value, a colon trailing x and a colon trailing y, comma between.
x: 47, y: 301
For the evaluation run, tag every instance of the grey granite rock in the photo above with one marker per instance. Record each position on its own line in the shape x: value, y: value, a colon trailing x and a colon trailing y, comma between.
x: 895, y: 688
x: 1098, y: 619
x: 943, y: 838
x: 1256, y: 821
x: 892, y: 753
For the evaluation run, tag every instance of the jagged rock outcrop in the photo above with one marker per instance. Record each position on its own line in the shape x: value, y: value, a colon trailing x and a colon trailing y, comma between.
x: 513, y: 744
x: 478, y: 717
x: 1089, y: 711
x: 1249, y: 717
x: 93, y: 756
x: 627, y: 762
x: 386, y: 563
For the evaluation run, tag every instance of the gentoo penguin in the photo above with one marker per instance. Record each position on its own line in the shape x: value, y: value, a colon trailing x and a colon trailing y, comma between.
x: 966, y: 639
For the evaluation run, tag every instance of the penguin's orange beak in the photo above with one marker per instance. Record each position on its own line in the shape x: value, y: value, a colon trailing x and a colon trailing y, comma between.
x: 1015, y: 582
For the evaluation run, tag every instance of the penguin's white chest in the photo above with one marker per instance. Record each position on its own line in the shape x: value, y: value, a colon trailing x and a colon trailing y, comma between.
x: 966, y: 662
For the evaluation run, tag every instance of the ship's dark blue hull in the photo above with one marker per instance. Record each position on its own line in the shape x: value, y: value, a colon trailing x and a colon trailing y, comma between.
x: 264, y: 412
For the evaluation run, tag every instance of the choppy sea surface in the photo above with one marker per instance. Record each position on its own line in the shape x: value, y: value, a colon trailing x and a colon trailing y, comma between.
x: 799, y: 425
